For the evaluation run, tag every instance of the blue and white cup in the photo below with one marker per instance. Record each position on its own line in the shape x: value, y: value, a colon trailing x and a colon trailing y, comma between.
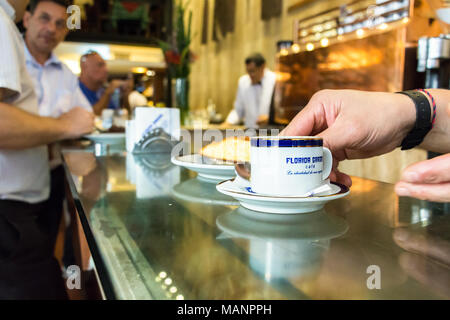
x: 288, y: 166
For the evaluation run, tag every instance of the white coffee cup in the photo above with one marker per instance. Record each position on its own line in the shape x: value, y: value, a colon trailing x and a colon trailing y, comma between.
x: 288, y: 166
x: 107, y: 118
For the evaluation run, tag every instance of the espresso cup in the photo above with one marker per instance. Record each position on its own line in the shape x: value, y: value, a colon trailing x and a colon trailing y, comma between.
x: 287, y: 166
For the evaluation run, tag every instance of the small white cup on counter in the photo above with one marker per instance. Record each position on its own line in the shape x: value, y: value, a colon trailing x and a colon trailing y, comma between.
x: 287, y: 166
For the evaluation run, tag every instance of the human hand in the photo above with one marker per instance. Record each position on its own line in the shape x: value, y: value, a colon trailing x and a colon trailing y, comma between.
x: 427, y: 180
x: 113, y: 85
x: 77, y: 122
x: 355, y: 124
x: 421, y: 264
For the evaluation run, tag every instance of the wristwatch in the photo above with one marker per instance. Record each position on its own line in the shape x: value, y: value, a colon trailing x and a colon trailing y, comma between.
x: 423, y: 120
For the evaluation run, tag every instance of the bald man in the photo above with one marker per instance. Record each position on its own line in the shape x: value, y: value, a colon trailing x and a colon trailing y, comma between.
x: 93, y: 76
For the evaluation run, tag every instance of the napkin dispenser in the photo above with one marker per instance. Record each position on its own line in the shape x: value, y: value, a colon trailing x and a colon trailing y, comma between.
x: 154, y: 130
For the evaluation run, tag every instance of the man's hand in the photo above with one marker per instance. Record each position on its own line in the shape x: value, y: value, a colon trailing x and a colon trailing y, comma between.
x: 77, y: 122
x: 113, y: 85
x: 355, y: 124
x: 427, y: 180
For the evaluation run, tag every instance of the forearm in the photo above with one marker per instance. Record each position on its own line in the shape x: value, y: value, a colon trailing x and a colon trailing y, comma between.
x: 102, y: 103
x: 438, y: 139
x: 20, y: 129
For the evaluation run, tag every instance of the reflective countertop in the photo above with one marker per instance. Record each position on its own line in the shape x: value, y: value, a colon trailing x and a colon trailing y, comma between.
x: 159, y: 232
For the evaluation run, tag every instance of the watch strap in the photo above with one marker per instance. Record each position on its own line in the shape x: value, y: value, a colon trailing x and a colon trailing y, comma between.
x: 423, y: 120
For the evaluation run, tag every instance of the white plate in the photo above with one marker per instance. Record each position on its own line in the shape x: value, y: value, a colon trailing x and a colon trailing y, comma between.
x: 211, y: 171
x: 200, y: 191
x: 107, y: 138
x: 280, y: 205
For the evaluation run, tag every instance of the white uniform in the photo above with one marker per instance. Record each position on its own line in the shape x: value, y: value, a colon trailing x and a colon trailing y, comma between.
x: 252, y: 100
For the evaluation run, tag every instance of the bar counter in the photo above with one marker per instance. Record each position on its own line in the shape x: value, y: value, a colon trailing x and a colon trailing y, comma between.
x: 156, y: 231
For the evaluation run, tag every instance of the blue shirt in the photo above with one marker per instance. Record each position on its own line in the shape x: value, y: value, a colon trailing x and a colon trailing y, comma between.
x: 93, y: 96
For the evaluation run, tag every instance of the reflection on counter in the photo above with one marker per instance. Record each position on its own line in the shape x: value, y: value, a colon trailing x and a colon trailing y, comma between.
x: 152, y: 174
x: 202, y: 191
x: 283, y: 246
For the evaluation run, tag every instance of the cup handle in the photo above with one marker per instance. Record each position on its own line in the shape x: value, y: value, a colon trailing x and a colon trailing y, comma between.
x: 327, y: 163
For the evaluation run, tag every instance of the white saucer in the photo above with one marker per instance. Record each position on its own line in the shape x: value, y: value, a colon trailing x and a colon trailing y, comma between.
x: 205, y: 168
x: 107, y: 138
x: 200, y: 191
x: 280, y: 205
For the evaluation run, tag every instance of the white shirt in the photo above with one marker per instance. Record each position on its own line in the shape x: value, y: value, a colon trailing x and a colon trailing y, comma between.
x: 57, y: 90
x: 24, y: 174
x: 136, y: 99
x: 252, y: 100
x: 56, y: 86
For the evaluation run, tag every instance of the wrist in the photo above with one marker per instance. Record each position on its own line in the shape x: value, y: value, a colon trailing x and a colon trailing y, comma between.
x: 424, y: 119
x: 62, y: 128
x: 109, y: 91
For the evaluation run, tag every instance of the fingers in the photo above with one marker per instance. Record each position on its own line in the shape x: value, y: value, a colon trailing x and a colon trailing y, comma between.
x: 436, y: 170
x: 432, y: 192
x: 315, y: 117
x: 344, y: 179
x: 337, y: 140
x: 339, y: 177
x: 301, y: 125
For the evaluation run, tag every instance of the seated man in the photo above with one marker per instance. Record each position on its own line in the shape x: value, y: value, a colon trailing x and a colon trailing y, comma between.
x: 93, y: 76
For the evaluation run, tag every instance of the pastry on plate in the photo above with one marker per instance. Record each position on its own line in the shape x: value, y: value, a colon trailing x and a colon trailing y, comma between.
x: 232, y: 149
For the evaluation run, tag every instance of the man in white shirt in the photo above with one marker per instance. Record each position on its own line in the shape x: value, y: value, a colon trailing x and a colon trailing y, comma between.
x: 27, y: 267
x: 55, y: 85
x: 254, y: 94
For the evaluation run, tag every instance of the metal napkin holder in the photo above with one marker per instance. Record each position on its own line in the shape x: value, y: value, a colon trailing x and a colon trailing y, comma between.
x: 155, y: 141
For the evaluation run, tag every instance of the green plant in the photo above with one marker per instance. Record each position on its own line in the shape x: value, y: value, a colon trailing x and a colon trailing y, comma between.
x: 177, y: 51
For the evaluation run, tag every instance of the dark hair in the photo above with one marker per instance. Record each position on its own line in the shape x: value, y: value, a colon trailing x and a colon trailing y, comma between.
x: 256, y: 58
x: 34, y: 3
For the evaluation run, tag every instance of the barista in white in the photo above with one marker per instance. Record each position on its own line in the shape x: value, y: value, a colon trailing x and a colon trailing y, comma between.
x: 254, y: 94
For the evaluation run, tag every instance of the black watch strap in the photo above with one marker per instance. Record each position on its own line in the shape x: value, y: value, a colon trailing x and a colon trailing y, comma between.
x: 423, y: 120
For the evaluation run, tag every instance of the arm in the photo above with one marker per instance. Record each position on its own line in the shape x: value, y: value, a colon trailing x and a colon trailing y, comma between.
x: 103, y: 102
x: 438, y: 139
x: 20, y: 129
x: 236, y: 115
